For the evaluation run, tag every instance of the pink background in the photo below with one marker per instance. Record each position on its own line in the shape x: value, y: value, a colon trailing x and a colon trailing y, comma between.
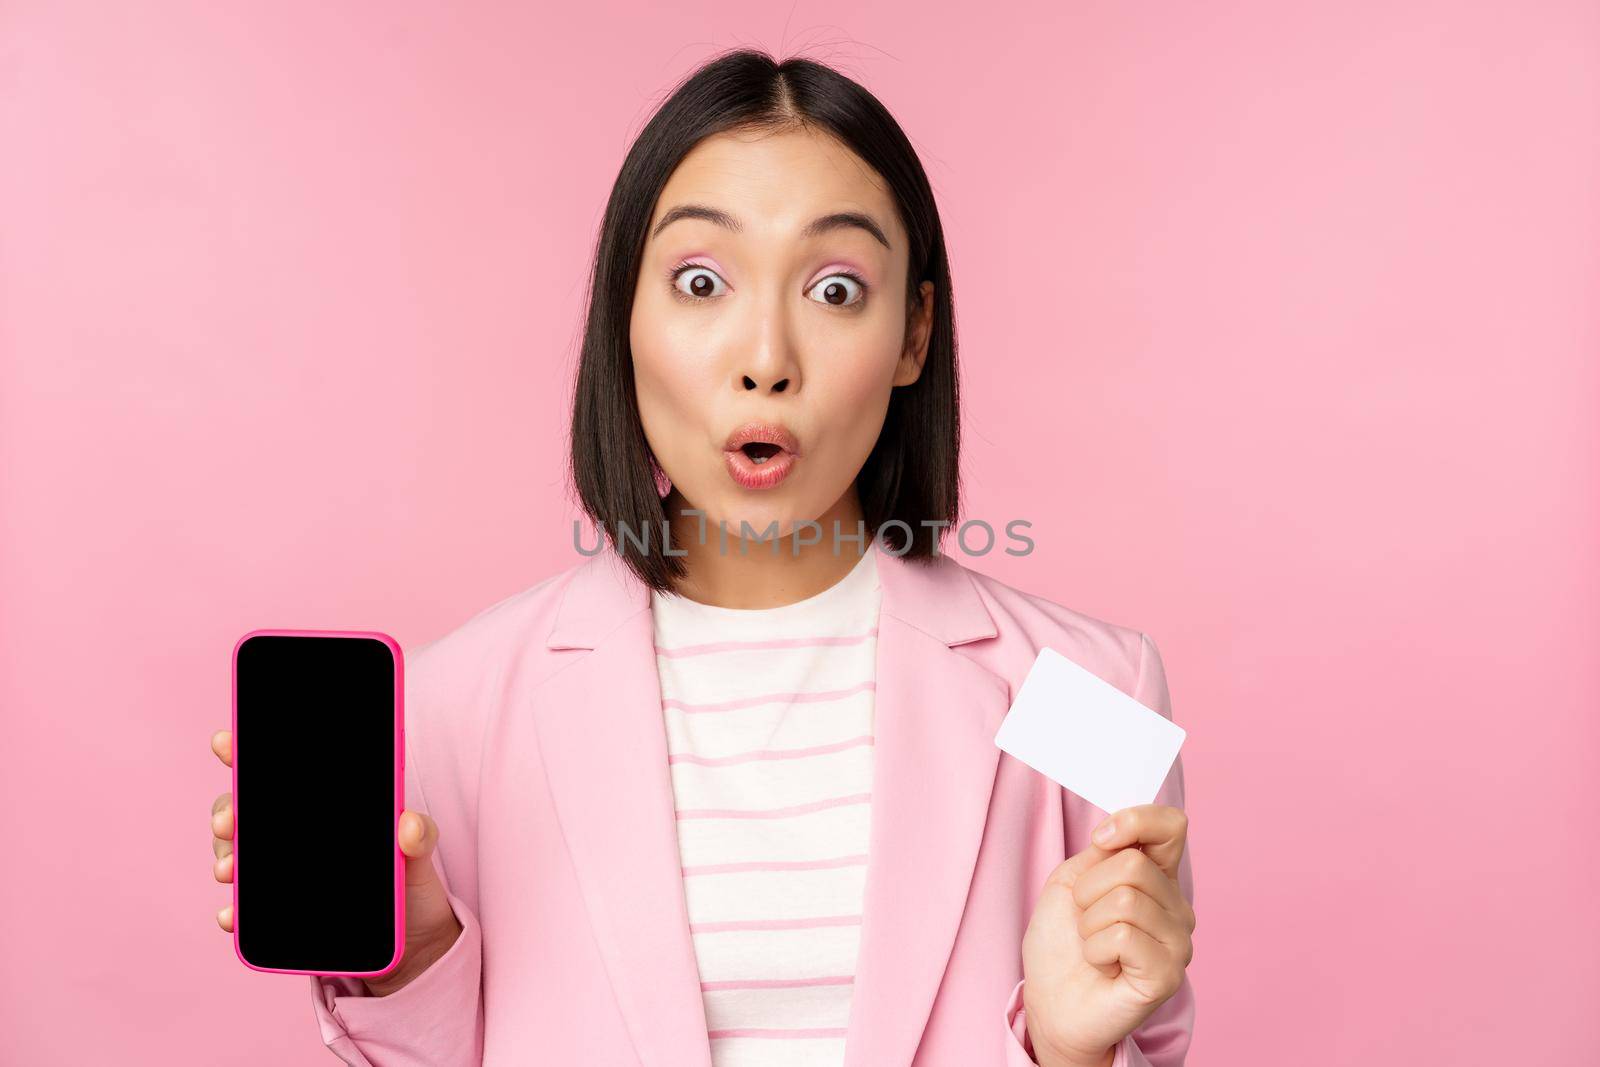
x: 1278, y: 324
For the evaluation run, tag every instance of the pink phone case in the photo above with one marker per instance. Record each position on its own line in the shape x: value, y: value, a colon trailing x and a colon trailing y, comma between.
x: 399, y: 797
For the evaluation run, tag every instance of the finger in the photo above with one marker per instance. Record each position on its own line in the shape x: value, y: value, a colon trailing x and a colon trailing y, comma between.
x: 221, y: 846
x: 418, y: 835
x: 222, y: 745
x: 222, y: 821
x: 1160, y: 830
x: 1069, y: 870
x: 1052, y: 932
x: 225, y: 918
x: 1129, y: 867
x: 1126, y: 904
x: 1126, y: 946
x: 222, y: 869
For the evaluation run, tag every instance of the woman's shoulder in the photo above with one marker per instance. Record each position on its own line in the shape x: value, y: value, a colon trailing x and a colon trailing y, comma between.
x: 508, y: 633
x: 1026, y: 621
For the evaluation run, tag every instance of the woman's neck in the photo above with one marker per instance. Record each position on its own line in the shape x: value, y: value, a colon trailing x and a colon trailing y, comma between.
x: 748, y: 573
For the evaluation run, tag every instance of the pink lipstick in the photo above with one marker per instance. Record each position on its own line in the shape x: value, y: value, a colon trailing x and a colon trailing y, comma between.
x: 760, y: 455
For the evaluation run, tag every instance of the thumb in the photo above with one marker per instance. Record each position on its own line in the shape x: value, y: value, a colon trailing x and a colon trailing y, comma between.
x: 418, y: 836
x: 428, y: 911
x: 1159, y: 830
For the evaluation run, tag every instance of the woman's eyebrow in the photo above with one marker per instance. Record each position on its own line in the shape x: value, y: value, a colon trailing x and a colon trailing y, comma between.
x: 835, y: 221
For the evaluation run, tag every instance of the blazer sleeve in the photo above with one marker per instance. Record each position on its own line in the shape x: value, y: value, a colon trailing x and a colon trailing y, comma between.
x: 1162, y: 1040
x: 436, y: 1020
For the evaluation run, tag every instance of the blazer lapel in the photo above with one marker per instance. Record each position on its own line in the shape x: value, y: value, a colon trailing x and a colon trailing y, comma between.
x: 935, y: 716
x: 605, y: 751
x: 936, y: 713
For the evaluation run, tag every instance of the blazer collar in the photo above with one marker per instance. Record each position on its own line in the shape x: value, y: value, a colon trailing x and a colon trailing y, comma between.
x: 602, y: 743
x: 935, y: 596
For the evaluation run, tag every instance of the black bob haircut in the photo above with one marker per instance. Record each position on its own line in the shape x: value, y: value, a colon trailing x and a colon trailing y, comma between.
x: 910, y: 480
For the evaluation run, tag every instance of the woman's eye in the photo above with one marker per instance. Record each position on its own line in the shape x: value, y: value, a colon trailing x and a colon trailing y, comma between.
x: 696, y: 282
x: 840, y: 290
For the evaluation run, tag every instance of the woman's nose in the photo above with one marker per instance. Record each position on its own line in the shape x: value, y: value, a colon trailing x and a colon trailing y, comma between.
x: 753, y: 382
x: 771, y: 363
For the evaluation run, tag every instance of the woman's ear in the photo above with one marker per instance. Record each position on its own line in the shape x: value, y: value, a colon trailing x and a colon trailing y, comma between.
x: 919, y: 328
x: 663, y: 483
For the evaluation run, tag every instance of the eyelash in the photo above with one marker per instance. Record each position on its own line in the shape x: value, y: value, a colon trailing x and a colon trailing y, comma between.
x: 678, y: 270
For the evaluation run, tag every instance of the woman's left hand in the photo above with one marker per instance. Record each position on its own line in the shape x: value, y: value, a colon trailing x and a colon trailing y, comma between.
x: 1109, y: 939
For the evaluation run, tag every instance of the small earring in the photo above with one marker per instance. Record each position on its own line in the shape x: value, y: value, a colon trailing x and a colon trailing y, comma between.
x: 663, y: 483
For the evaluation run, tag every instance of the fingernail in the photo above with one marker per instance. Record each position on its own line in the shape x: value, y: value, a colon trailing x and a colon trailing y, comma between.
x: 1105, y: 831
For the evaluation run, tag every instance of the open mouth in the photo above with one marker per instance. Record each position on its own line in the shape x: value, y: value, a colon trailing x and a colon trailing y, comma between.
x: 760, y: 455
x: 760, y: 451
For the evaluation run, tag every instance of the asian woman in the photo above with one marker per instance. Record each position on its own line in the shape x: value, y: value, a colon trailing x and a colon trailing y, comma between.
x: 725, y: 791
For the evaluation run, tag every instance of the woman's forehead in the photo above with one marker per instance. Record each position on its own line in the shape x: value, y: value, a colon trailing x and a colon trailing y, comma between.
x: 774, y: 183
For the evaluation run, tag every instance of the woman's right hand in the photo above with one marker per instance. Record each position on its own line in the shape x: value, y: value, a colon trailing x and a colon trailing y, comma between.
x: 431, y: 924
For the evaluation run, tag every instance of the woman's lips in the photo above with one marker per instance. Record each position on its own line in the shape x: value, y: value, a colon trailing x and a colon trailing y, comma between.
x: 764, y: 432
x: 764, y: 475
x: 760, y: 455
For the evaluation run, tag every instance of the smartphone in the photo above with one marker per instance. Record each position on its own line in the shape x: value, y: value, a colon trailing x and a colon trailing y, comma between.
x: 318, y: 789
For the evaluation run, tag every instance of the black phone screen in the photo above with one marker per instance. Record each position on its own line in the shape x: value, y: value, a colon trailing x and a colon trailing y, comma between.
x: 316, y: 802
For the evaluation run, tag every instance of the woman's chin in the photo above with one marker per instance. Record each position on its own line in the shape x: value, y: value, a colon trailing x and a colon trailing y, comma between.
x: 756, y: 524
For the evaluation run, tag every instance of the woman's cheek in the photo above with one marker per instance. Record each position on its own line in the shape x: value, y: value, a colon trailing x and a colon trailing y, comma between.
x: 665, y: 409
x: 861, y: 397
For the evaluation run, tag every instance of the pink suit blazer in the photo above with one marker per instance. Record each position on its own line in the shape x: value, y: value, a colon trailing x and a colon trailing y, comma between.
x: 535, y: 740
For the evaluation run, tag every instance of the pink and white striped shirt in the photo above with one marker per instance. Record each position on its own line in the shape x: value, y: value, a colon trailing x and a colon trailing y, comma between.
x: 769, y: 723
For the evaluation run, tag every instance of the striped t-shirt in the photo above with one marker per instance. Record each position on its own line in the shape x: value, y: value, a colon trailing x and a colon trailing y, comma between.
x: 769, y: 729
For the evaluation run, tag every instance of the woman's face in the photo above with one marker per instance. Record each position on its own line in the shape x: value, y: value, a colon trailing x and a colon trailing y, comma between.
x: 768, y: 313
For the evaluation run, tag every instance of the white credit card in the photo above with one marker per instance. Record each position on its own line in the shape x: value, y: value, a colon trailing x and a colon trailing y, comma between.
x: 1089, y: 736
